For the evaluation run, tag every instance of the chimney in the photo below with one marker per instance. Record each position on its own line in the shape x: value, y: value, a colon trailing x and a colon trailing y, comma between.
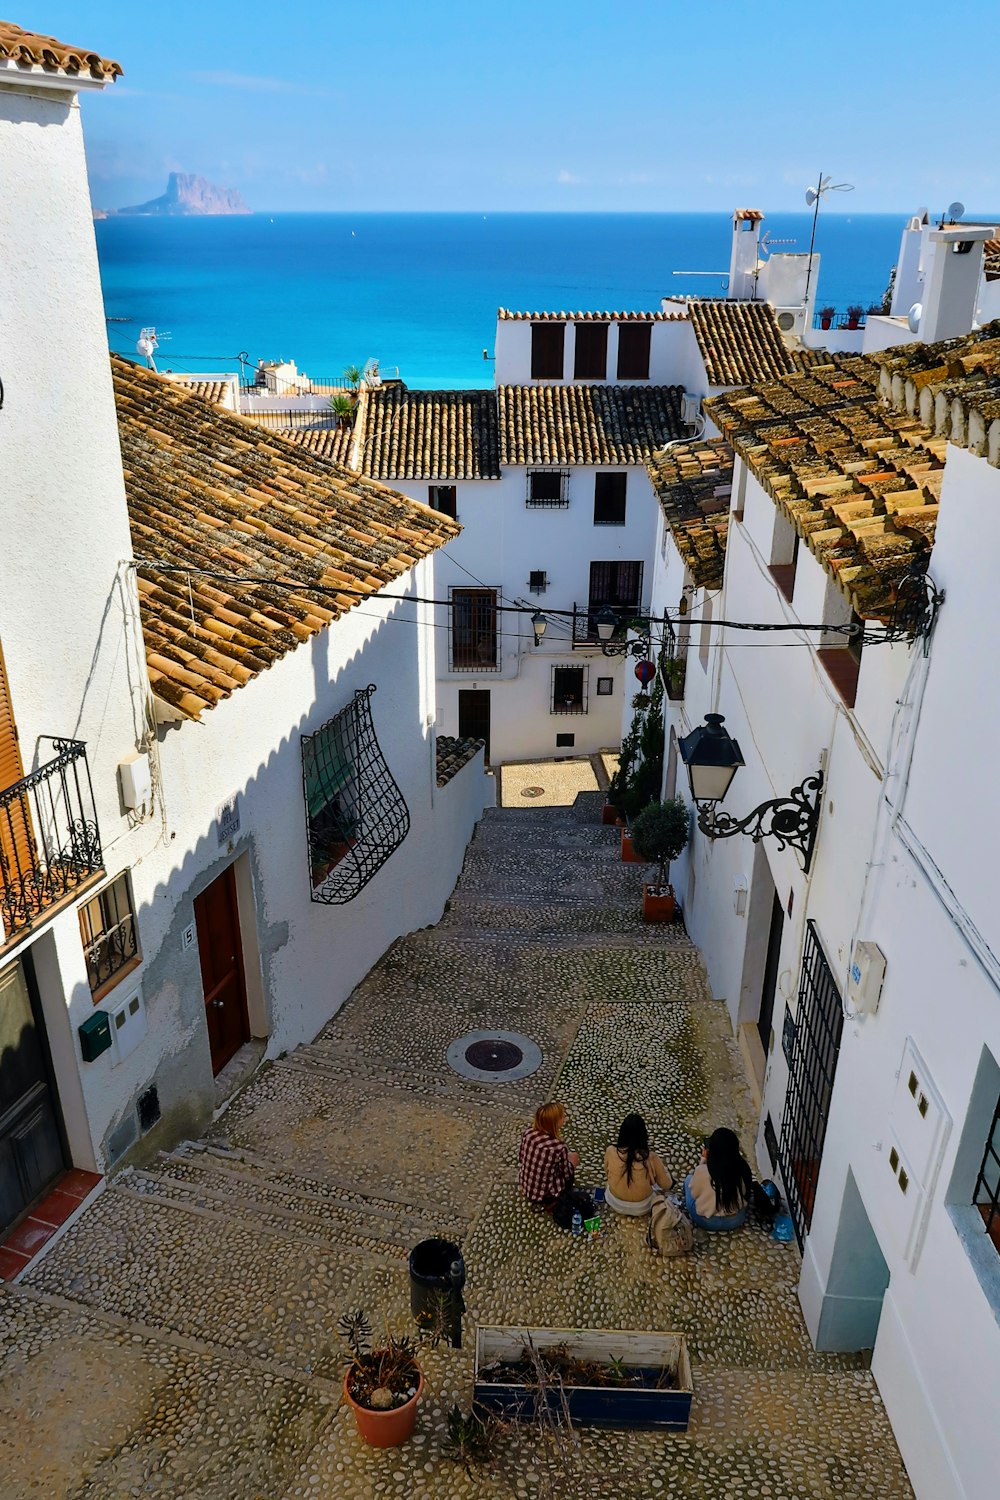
x: 743, y: 258
x: 954, y: 266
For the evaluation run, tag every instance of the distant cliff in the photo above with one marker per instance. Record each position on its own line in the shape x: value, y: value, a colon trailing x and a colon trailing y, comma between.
x: 187, y: 194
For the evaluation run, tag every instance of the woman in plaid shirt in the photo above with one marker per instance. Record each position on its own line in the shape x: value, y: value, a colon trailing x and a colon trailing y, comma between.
x: 546, y: 1164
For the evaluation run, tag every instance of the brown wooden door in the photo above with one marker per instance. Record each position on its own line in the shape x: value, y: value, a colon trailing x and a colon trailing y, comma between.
x: 16, y: 842
x: 217, y: 917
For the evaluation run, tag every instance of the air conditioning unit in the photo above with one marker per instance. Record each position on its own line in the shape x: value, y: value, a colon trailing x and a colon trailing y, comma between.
x: 866, y: 977
x: 690, y: 409
x: 791, y: 321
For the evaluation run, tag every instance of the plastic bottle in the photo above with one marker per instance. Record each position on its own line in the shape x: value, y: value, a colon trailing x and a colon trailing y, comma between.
x: 577, y: 1224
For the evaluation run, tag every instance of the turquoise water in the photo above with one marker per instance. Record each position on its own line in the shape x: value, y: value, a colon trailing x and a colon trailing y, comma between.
x: 420, y: 291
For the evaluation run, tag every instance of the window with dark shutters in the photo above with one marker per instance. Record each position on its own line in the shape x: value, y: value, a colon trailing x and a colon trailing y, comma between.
x: 547, y: 344
x: 609, y: 499
x: 633, y: 350
x: 444, y: 497
x: 590, y: 356
x: 16, y: 842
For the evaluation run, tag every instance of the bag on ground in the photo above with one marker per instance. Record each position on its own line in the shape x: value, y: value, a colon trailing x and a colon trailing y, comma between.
x: 670, y: 1231
x: 570, y: 1201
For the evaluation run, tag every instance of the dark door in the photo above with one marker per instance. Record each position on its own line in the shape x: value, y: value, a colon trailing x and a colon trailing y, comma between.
x: 770, y: 983
x: 474, y: 715
x: 217, y: 918
x: 32, y: 1155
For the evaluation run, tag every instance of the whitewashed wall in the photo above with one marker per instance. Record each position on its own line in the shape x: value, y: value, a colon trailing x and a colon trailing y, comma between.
x: 513, y: 353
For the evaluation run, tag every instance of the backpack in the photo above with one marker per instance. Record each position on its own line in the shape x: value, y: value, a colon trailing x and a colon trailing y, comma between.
x: 572, y: 1200
x: 670, y: 1232
x: 766, y: 1202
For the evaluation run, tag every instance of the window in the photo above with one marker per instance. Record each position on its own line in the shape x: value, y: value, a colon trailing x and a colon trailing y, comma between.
x: 565, y: 741
x: 605, y: 686
x: 474, y: 630
x: 633, y: 351
x: 444, y: 497
x: 332, y: 801
x: 569, y: 690
x: 986, y: 1196
x: 548, y: 489
x: 110, y: 941
x: 538, y: 582
x: 590, y: 356
x: 609, y: 499
x: 547, y: 341
x: 615, y: 585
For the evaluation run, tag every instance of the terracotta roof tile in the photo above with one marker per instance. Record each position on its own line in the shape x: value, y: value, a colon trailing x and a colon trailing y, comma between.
x: 214, y: 391
x: 429, y: 434
x: 29, y: 49
x: 333, y: 443
x: 951, y: 388
x: 586, y: 424
x: 506, y: 314
x: 211, y: 491
x: 693, y: 483
x: 740, y: 342
x: 452, y: 754
x: 751, y: 215
x: 860, y: 483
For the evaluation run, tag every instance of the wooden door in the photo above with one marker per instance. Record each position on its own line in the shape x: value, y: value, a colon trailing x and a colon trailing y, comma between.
x: 32, y: 1155
x: 217, y: 918
x: 474, y: 715
x: 16, y: 842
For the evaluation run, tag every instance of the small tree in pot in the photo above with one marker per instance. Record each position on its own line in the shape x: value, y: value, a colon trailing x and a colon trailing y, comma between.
x: 659, y: 835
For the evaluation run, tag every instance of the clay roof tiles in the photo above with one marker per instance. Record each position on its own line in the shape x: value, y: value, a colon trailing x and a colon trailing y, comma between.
x: 858, y: 481
x: 30, y: 49
x: 554, y: 425
x: 452, y: 754
x: 333, y: 443
x: 210, y: 491
x: 693, y: 483
x: 952, y: 388
x: 429, y: 434
x: 677, y: 314
x: 740, y: 342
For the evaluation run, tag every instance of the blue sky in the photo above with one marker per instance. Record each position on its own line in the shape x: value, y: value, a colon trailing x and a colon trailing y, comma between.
x: 447, y: 104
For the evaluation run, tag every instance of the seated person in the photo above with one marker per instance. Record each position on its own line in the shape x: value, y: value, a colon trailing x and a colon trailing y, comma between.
x: 633, y: 1170
x: 545, y: 1164
x: 717, y: 1192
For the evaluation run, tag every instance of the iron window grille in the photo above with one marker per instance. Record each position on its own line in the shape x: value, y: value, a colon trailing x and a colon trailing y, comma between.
x: 356, y: 815
x: 475, y: 639
x: 547, y: 489
x: 569, y: 690
x: 538, y: 582
x: 986, y: 1196
x: 108, y: 931
x: 812, y: 1046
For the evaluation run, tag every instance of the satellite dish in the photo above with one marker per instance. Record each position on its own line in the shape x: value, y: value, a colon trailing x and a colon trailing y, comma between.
x: 913, y: 317
x: 956, y: 210
x: 811, y: 196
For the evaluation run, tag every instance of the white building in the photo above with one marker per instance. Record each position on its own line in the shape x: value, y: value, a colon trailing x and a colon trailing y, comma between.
x: 203, y: 843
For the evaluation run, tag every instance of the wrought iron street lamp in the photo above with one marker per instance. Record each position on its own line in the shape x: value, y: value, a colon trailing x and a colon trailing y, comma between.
x: 539, y: 624
x: 607, y: 621
x: 712, y: 758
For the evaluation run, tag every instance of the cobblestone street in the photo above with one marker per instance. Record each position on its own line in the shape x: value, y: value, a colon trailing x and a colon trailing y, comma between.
x: 180, y: 1339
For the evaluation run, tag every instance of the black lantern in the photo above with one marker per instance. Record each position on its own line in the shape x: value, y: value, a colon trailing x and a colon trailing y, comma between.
x: 606, y: 621
x: 539, y: 622
x: 712, y: 758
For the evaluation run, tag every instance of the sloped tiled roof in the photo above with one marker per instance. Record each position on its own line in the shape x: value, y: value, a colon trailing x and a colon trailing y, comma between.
x: 586, y: 424
x: 740, y: 342
x: 674, y: 315
x: 214, y: 391
x: 211, y: 491
x: 452, y: 754
x: 693, y: 483
x: 991, y: 259
x: 951, y: 388
x: 29, y: 49
x: 429, y: 434
x: 333, y: 443
x: 859, y: 482
x: 744, y: 215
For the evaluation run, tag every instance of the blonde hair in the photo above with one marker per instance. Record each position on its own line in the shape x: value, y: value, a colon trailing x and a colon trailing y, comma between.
x: 549, y: 1118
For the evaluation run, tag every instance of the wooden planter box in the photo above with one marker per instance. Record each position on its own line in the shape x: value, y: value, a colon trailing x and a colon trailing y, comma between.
x: 628, y: 853
x: 658, y: 908
x: 610, y: 815
x: 592, y: 1406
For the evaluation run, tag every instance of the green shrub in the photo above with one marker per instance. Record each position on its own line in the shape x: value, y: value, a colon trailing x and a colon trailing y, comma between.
x: 660, y: 834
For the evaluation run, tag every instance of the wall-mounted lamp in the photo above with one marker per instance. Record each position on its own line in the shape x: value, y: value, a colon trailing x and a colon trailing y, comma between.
x: 712, y: 758
x: 607, y: 622
x: 539, y: 624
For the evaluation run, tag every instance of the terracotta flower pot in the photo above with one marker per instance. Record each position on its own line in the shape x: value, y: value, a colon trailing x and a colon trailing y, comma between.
x: 610, y: 815
x: 385, y: 1429
x: 658, y: 908
x: 628, y: 853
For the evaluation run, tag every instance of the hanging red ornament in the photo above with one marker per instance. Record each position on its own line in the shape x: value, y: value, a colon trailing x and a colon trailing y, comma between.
x: 645, y: 671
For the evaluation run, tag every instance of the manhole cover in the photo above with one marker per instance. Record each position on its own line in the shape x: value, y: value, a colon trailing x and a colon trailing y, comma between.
x: 533, y: 791
x: 494, y: 1056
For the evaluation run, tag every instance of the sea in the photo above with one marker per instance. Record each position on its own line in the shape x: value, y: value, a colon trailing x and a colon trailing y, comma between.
x: 420, y: 292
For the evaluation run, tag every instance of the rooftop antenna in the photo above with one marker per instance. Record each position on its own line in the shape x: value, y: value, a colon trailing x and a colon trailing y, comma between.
x: 954, y: 213
x: 146, y: 346
x: 823, y: 186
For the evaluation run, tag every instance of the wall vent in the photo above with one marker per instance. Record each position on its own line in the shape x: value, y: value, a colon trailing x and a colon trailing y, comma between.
x: 148, y: 1108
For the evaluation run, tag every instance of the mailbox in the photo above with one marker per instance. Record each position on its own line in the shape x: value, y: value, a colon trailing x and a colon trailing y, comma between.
x: 95, y: 1035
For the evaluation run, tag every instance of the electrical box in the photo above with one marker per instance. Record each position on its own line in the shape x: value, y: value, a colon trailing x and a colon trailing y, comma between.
x: 128, y: 1022
x: 95, y: 1035
x: 866, y: 977
x: 690, y: 409
x: 136, y: 780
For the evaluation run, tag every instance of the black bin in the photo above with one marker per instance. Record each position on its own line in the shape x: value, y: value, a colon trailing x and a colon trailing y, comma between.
x: 437, y: 1276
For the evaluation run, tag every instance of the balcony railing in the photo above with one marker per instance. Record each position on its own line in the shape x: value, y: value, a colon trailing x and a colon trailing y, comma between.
x: 844, y: 318
x: 50, y: 844
x: 585, y: 622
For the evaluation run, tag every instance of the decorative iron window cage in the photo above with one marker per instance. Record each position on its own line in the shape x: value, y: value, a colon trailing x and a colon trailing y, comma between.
x: 474, y: 634
x: 569, y: 690
x: 356, y: 815
x: 538, y: 582
x: 547, y: 489
x: 986, y: 1196
x: 50, y: 844
x: 108, y: 931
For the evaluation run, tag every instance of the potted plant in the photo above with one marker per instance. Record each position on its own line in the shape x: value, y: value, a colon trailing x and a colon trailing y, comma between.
x: 646, y: 773
x: 354, y: 376
x: 659, y: 835
x: 826, y: 316
x: 343, y: 409
x: 619, y: 781
x: 854, y: 314
x: 382, y: 1385
x: 875, y: 310
x: 675, y: 671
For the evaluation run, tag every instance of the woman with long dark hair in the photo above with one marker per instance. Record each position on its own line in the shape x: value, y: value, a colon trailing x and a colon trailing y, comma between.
x: 633, y: 1170
x: 717, y: 1192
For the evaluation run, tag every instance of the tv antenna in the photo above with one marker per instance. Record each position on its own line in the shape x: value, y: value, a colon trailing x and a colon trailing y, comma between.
x: 146, y: 346
x: 823, y: 186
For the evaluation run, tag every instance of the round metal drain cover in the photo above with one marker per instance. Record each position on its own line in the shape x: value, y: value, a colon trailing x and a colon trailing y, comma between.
x: 533, y: 791
x: 494, y: 1056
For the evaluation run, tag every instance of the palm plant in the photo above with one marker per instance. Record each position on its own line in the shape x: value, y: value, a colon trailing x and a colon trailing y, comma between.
x: 343, y: 409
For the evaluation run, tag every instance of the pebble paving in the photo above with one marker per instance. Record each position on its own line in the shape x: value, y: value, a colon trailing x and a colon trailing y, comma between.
x: 180, y: 1339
